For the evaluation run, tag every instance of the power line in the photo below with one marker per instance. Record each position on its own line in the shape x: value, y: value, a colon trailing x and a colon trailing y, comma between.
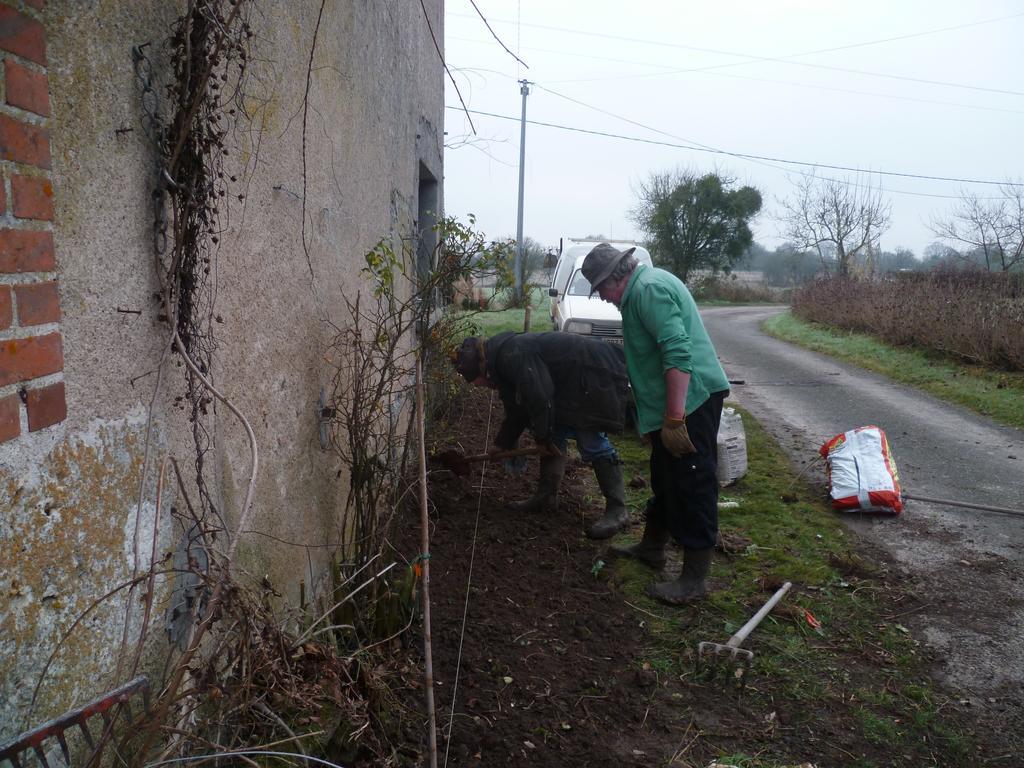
x: 697, y: 146
x: 495, y: 34
x: 872, y: 94
x: 911, y: 35
x: 760, y: 161
x: 433, y: 37
x: 743, y: 155
x: 751, y: 59
x: 670, y: 70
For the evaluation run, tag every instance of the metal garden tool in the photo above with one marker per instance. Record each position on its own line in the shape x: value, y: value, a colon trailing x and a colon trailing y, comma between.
x: 459, y: 463
x: 35, y: 747
x: 730, y: 651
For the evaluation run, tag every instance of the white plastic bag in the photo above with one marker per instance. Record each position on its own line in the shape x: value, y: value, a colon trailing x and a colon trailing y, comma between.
x: 862, y: 473
x: 732, y: 448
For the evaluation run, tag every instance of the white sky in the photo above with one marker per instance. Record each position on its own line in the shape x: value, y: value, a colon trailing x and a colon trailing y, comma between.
x: 623, y: 60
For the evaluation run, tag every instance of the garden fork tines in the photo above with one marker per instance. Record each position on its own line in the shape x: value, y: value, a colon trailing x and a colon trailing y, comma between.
x: 736, y: 658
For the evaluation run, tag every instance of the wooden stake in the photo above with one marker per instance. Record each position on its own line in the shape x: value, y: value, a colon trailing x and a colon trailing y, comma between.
x: 425, y: 560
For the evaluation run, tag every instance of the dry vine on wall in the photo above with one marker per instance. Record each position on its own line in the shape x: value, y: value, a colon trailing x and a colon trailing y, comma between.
x: 235, y: 676
x: 240, y: 679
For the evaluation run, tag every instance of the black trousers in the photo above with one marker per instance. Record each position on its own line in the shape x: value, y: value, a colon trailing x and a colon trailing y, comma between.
x: 685, y: 489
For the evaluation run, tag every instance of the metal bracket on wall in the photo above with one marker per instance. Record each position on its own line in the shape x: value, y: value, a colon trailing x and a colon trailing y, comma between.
x: 323, y: 420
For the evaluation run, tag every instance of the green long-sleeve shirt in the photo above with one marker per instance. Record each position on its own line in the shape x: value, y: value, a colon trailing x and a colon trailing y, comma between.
x: 662, y: 329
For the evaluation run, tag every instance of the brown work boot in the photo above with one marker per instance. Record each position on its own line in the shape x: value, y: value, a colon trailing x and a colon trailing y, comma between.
x: 650, y: 550
x: 616, y: 516
x: 545, y: 498
x: 692, y: 582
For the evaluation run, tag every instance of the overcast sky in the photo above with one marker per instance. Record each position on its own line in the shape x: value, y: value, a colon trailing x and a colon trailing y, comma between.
x: 929, y: 88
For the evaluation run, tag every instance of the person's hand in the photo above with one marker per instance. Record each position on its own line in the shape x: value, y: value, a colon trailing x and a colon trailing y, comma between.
x: 546, y: 448
x: 675, y: 438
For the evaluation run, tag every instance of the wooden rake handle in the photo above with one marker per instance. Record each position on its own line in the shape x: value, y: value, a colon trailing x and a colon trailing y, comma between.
x: 501, y: 455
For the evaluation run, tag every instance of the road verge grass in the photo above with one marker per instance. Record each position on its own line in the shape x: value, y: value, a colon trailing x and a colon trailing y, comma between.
x: 852, y: 691
x: 996, y: 394
x: 489, y: 322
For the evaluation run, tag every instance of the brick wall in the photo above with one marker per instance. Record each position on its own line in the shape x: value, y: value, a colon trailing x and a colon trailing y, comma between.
x: 31, y: 346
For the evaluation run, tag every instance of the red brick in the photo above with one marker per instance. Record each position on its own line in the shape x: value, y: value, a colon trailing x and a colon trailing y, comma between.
x: 26, y: 89
x: 38, y: 303
x: 6, y: 310
x: 3, y: 197
x: 25, y: 251
x: 24, y: 143
x: 10, y: 418
x: 32, y: 198
x: 46, y: 406
x: 25, y: 359
x: 22, y: 36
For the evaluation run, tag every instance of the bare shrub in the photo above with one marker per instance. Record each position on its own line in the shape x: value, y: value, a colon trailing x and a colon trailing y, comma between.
x: 726, y: 288
x: 975, y: 316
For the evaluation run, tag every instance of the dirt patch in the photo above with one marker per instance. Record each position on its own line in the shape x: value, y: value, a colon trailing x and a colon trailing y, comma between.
x: 540, y: 660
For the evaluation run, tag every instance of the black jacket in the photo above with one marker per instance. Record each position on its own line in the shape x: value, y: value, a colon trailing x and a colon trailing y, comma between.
x: 548, y: 379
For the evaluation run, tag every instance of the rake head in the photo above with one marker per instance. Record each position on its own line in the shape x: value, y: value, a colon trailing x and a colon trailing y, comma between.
x: 455, y: 461
x: 726, y: 659
x: 719, y: 650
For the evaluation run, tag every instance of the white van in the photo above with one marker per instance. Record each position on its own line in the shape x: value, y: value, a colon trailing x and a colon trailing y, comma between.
x: 572, y: 309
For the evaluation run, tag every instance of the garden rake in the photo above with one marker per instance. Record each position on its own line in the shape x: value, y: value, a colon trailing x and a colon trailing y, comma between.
x: 730, y: 651
x: 35, y: 747
x: 459, y: 463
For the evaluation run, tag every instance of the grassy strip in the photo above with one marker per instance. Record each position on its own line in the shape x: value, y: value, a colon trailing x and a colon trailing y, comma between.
x: 860, y: 675
x: 997, y: 394
x: 491, y: 322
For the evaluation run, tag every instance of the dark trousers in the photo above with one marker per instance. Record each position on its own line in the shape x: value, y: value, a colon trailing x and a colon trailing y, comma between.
x: 685, y: 489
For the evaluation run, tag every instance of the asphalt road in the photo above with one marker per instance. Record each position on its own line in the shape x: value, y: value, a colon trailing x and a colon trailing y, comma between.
x: 966, y: 565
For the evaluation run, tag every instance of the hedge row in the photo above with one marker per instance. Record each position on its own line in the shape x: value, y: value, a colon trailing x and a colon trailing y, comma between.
x: 975, y: 316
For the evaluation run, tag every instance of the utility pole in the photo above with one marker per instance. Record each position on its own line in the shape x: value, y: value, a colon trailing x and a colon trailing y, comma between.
x: 518, y: 265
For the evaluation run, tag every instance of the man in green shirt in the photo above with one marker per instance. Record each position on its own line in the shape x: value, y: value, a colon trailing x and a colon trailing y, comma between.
x: 679, y: 387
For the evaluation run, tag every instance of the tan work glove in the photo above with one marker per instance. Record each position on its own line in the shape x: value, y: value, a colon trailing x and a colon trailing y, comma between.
x: 675, y: 438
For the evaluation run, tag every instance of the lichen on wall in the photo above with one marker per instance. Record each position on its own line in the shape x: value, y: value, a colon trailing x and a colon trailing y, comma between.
x: 317, y: 192
x: 66, y: 539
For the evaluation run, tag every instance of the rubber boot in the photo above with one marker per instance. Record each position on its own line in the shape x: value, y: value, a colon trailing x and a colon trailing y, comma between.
x: 651, y: 548
x: 616, y: 516
x: 692, y: 582
x: 545, y: 498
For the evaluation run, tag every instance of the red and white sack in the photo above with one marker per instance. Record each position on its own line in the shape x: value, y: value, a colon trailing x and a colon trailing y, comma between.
x: 862, y: 473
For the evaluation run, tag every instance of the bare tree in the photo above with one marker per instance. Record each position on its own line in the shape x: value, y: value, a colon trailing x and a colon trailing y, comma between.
x: 991, y: 228
x: 840, y: 219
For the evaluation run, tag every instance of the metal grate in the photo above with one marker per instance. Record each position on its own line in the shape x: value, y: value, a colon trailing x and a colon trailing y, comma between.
x: 606, y: 330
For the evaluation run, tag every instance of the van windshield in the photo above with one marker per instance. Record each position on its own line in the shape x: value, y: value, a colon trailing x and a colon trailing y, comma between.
x: 579, y: 286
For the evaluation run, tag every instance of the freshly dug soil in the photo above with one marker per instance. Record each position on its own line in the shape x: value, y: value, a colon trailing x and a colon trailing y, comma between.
x: 539, y: 660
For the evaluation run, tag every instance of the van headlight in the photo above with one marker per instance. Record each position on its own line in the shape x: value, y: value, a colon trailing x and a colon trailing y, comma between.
x: 577, y: 326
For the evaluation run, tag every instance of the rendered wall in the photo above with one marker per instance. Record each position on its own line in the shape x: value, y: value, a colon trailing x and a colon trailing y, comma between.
x: 80, y: 336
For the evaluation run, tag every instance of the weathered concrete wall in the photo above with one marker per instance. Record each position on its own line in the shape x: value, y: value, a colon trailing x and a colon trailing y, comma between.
x: 69, y: 491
